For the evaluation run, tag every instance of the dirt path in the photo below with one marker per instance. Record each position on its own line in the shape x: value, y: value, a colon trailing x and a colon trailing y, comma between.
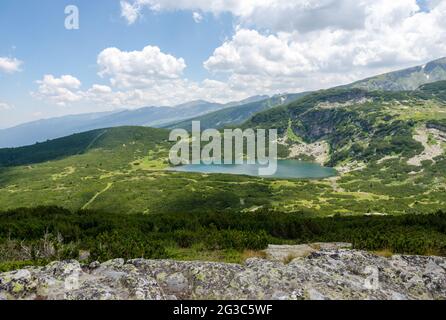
x: 335, y: 185
x: 94, y: 140
x: 109, y: 185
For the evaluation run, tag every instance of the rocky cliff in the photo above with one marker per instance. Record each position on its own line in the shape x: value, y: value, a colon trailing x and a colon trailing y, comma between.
x: 318, y: 272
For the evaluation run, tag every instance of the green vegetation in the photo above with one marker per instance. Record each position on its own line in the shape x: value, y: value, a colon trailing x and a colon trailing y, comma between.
x: 50, y: 150
x: 32, y: 236
x: 358, y: 125
x: 123, y: 170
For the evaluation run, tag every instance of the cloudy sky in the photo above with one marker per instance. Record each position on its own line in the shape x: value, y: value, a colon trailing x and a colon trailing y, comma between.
x: 134, y: 53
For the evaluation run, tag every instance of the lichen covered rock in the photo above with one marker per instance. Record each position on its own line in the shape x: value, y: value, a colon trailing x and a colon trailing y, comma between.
x: 324, y: 272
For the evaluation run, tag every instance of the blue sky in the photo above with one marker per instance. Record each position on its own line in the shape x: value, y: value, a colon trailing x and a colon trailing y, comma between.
x: 37, y: 37
x: 233, y: 51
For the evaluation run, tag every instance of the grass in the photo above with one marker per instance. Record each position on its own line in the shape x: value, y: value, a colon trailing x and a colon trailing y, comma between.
x: 291, y: 135
x: 289, y: 259
x: 386, y: 253
x: 103, y: 183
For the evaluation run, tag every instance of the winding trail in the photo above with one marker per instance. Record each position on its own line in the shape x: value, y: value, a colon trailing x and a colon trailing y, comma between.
x: 94, y: 140
x: 109, y: 185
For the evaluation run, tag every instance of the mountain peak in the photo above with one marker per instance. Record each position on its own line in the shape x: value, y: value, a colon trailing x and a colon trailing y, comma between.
x: 405, y: 79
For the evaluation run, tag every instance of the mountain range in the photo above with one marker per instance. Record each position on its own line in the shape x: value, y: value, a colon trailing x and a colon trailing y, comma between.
x: 47, y: 129
x: 211, y: 115
x: 235, y: 115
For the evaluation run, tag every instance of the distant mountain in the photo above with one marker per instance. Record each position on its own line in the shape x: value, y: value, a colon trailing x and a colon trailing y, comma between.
x: 246, y: 101
x: 407, y: 79
x: 155, y: 116
x: 237, y: 114
x: 211, y: 115
x: 42, y: 130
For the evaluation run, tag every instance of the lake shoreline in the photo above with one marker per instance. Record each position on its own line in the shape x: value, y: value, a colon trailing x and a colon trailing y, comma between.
x: 286, y: 169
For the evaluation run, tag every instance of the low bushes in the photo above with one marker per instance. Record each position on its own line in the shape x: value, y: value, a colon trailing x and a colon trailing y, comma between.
x: 48, y: 233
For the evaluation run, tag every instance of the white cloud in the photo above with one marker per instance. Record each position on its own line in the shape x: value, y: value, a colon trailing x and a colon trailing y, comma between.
x: 60, y: 91
x: 130, y: 12
x: 395, y: 35
x: 316, y: 45
x: 137, y: 78
x: 282, y: 15
x: 10, y: 65
x: 249, y: 52
x: 139, y: 68
x: 5, y: 106
x: 197, y: 16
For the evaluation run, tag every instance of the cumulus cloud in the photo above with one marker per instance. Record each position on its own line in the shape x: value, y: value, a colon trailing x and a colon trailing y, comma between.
x: 9, y: 65
x: 60, y: 91
x: 282, y: 15
x: 395, y: 35
x: 139, y: 68
x: 136, y: 78
x: 278, y: 46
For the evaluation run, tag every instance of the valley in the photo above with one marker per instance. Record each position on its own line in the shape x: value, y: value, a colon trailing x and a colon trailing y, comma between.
x: 388, y: 148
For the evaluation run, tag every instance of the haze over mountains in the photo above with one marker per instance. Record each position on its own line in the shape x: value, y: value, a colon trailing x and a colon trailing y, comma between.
x: 236, y: 115
x: 211, y: 115
x: 47, y: 129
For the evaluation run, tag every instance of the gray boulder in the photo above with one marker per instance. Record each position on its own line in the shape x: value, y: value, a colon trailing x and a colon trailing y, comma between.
x: 316, y: 272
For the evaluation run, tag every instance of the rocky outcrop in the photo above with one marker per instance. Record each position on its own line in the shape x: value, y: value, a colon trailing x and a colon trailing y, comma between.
x: 432, y: 140
x: 319, y: 151
x: 324, y: 272
x: 286, y: 253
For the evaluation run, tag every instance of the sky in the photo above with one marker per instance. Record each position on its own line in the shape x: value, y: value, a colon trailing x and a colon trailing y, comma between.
x: 135, y: 53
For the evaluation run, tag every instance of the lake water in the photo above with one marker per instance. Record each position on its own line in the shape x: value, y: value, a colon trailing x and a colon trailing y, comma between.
x: 291, y: 169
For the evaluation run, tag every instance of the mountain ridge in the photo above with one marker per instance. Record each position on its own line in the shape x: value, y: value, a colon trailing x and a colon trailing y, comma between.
x: 235, y: 115
x: 47, y: 129
x: 211, y: 114
x: 405, y: 79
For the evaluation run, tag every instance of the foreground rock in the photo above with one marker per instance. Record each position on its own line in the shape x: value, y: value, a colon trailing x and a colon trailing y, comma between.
x: 327, y: 273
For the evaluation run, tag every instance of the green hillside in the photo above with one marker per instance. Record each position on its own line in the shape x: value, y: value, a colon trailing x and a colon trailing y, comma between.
x: 80, y: 144
x: 124, y: 170
x: 359, y: 125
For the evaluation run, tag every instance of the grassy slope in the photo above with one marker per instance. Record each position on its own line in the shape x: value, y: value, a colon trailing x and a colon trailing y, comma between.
x: 359, y: 125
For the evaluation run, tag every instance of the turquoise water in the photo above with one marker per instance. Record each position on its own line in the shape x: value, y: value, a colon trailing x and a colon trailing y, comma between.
x: 285, y: 169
